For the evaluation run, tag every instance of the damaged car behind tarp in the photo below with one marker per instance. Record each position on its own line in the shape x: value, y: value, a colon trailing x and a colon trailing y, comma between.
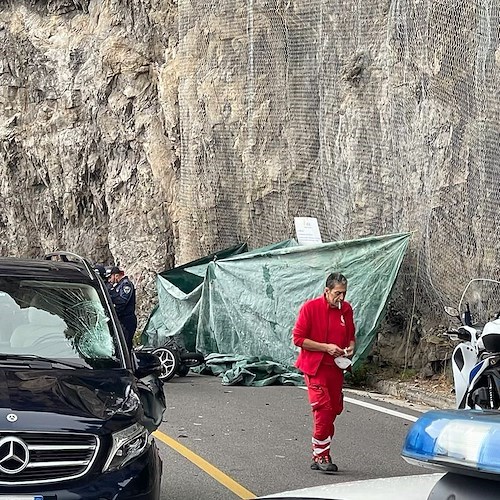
x: 244, y: 306
x: 76, y: 408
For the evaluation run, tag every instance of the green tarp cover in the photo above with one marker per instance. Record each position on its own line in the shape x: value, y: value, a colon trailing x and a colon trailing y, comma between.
x: 244, y: 370
x: 179, y: 291
x: 247, y: 303
x: 189, y: 276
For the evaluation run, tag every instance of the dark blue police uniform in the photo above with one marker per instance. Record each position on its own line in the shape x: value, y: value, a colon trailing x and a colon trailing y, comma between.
x: 123, y: 297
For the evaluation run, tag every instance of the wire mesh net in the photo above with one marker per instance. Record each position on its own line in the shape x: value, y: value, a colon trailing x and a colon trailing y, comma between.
x: 374, y: 116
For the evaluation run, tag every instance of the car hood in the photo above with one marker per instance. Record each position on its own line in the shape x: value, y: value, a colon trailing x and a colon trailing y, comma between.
x: 392, y: 488
x: 88, y: 396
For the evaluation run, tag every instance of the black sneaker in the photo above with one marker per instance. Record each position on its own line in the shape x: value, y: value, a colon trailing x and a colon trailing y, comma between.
x: 325, y: 464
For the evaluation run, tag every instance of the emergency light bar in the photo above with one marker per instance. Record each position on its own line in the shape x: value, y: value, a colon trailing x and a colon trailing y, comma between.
x: 466, y: 441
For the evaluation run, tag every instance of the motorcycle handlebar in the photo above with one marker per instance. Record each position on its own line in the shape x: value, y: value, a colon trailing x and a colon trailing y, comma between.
x: 461, y: 334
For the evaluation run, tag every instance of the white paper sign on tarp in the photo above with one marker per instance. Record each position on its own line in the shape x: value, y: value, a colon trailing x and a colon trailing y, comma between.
x: 307, y: 230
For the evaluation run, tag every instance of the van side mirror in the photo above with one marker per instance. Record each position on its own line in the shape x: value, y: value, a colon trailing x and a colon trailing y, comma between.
x: 147, y: 364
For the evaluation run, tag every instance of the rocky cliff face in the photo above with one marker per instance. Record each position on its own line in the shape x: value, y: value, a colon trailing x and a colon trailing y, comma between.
x: 90, y: 143
x: 150, y: 132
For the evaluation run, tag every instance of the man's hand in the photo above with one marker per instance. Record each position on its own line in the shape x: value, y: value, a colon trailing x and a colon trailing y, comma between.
x: 334, y: 350
x: 349, y: 351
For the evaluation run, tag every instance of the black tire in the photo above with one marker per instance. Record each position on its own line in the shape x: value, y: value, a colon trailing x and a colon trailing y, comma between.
x: 183, y: 370
x: 191, y: 359
x: 169, y: 363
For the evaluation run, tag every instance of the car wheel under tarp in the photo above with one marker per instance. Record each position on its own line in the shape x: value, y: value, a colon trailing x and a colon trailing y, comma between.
x: 183, y: 370
x: 192, y: 359
x: 169, y: 362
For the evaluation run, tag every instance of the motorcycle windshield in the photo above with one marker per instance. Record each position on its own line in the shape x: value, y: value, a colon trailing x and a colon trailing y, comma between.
x: 480, y: 299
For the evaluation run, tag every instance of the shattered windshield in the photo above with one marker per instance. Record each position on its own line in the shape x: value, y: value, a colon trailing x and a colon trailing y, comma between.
x: 55, y: 320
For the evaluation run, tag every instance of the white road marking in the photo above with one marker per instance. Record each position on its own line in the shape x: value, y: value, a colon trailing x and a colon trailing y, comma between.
x: 381, y: 409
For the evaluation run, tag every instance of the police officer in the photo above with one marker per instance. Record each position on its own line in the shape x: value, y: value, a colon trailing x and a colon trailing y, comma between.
x: 122, y: 292
x: 103, y: 273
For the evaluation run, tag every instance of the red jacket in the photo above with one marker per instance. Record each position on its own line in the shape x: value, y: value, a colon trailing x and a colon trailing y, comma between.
x: 320, y: 322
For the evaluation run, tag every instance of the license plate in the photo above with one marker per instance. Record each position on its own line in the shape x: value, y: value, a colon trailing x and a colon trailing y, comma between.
x: 22, y: 497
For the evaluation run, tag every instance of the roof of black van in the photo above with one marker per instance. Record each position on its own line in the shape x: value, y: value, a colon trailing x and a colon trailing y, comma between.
x: 42, y: 269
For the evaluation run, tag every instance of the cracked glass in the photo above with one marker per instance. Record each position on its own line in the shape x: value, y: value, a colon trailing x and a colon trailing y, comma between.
x: 55, y: 320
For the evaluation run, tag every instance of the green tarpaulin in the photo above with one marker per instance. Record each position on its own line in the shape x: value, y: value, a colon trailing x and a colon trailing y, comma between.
x: 247, y: 302
x: 190, y: 276
x: 244, y: 370
x: 179, y: 291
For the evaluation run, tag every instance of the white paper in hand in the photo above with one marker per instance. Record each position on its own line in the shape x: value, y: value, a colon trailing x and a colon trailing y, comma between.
x: 343, y: 363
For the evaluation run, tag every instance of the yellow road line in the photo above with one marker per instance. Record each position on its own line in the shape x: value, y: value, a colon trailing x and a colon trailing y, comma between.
x: 205, y: 466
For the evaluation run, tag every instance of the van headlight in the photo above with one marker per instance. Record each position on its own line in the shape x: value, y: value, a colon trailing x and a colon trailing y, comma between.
x: 130, y: 403
x: 126, y: 445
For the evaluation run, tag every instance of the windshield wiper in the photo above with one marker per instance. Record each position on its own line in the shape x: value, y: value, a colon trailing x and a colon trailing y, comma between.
x: 35, y: 357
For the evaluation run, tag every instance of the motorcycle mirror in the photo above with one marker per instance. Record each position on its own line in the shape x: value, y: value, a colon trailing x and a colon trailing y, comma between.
x: 464, y: 334
x: 451, y: 311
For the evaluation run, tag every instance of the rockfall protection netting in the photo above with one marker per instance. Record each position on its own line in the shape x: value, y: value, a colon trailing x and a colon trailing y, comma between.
x: 375, y: 117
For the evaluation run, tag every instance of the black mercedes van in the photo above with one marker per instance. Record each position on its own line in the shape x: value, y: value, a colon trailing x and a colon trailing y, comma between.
x: 76, y: 408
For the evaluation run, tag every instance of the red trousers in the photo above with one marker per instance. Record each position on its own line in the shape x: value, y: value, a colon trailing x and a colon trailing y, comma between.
x: 325, y: 396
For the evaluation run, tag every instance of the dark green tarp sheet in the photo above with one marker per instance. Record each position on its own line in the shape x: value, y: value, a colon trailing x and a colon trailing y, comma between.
x: 190, y: 276
x: 245, y: 370
x: 247, y: 303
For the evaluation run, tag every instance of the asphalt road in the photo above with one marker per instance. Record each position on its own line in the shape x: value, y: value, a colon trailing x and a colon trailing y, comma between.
x: 228, y: 442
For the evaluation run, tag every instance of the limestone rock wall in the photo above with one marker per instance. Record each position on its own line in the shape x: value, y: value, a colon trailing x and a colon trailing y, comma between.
x: 152, y: 132
x: 89, y: 131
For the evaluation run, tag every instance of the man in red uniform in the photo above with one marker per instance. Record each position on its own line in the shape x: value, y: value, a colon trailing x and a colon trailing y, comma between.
x: 324, y: 331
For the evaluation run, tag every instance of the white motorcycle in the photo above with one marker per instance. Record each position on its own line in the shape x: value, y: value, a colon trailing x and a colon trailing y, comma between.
x: 476, y: 360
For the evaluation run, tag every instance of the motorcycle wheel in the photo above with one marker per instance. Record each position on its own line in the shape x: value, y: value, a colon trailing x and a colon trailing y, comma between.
x: 191, y: 359
x: 183, y: 370
x: 169, y: 363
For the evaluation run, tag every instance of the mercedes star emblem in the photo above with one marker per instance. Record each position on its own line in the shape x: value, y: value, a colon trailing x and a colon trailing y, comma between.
x: 14, y: 455
x: 11, y: 417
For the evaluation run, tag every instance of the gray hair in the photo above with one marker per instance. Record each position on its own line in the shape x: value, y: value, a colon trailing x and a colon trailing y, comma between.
x: 335, y: 279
